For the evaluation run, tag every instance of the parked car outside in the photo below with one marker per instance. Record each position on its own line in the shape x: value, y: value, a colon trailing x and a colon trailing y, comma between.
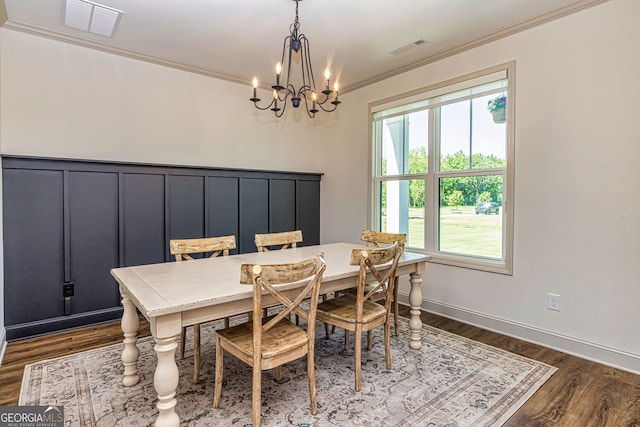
x: 488, y: 208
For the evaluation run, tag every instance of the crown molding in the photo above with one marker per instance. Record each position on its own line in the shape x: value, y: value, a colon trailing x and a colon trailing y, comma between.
x: 78, y: 41
x: 488, y: 38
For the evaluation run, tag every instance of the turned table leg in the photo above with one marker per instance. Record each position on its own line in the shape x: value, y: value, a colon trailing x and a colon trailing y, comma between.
x: 415, y: 299
x: 165, y: 381
x: 130, y: 324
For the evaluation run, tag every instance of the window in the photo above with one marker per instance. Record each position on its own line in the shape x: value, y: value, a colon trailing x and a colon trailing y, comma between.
x: 442, y: 163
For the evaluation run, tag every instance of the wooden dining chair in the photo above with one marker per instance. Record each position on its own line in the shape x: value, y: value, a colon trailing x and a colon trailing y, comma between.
x: 358, y: 313
x: 183, y: 249
x: 375, y: 239
x: 271, y: 342
x: 285, y: 240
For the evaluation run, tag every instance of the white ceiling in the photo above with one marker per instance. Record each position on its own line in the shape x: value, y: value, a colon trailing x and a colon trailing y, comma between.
x: 238, y: 39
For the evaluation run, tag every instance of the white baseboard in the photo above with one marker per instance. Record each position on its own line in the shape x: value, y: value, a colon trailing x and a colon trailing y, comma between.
x: 3, y: 343
x: 586, y: 350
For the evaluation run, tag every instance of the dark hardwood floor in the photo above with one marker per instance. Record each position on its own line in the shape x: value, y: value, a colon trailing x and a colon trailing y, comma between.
x: 581, y: 393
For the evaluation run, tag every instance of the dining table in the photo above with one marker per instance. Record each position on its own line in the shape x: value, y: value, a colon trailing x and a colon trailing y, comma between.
x: 175, y: 294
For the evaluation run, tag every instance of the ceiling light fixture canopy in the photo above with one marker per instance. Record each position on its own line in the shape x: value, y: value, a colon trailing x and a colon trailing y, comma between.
x: 296, y: 50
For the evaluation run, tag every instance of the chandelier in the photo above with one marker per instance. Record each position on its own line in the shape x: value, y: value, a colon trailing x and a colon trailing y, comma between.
x: 296, y: 50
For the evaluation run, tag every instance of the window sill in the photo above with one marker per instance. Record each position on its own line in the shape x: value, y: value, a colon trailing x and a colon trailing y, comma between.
x: 473, y: 263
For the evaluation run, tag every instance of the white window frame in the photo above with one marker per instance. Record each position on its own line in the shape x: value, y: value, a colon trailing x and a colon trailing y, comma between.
x: 504, y: 265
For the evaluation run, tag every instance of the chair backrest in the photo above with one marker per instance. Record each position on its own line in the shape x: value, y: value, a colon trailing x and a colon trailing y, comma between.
x: 285, y: 240
x: 381, y: 263
x: 184, y: 248
x: 374, y: 238
x: 270, y: 279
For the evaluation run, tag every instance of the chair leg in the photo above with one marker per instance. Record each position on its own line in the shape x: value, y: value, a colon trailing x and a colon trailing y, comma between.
x: 369, y: 340
x: 278, y: 370
x: 387, y: 343
x: 196, y: 353
x: 256, y: 393
x: 357, y: 354
x: 226, y: 323
x: 217, y: 392
x: 395, y: 306
x: 182, y: 341
x: 347, y: 336
x: 312, y: 383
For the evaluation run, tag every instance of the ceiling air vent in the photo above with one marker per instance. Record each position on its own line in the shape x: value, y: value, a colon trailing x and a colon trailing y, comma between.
x: 407, y: 47
x: 92, y: 17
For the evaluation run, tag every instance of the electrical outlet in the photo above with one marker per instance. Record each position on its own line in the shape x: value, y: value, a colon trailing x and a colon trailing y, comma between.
x: 67, y: 289
x: 553, y: 302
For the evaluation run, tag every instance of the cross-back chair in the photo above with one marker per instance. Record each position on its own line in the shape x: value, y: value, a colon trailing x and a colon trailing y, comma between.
x: 183, y: 249
x: 359, y: 313
x: 271, y: 342
x: 285, y: 240
x: 374, y: 239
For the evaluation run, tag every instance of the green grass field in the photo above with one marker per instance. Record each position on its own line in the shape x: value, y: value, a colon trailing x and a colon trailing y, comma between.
x: 461, y: 231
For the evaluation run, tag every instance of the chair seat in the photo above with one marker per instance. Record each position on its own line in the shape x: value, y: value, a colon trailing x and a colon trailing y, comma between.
x: 344, y: 308
x: 282, y: 338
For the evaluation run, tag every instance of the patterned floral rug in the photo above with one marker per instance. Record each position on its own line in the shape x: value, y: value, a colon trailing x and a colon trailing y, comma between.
x: 452, y: 381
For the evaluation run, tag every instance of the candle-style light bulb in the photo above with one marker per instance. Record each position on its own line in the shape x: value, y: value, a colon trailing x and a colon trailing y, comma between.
x: 314, y: 98
x: 255, y: 87
x: 335, y: 88
x: 327, y: 76
x: 278, y: 71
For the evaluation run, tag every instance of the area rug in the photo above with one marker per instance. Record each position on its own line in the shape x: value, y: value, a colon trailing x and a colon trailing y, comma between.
x: 452, y: 381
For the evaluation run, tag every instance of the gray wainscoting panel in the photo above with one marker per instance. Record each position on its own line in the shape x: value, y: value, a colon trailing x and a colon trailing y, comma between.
x: 67, y: 223
x: 33, y: 245
x: 143, y: 219
x: 222, y: 207
x: 282, y: 205
x: 308, y: 209
x: 254, y: 211
x: 93, y: 238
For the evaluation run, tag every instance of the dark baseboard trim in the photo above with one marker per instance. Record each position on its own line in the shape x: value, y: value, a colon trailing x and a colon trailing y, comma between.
x: 58, y: 324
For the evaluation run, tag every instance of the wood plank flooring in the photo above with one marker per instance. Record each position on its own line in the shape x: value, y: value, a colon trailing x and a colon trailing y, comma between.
x: 581, y: 393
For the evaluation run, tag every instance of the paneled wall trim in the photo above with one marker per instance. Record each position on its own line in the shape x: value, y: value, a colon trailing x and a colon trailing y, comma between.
x: 68, y: 222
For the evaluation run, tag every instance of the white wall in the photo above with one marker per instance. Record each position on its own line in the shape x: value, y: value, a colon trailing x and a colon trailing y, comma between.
x: 577, y: 172
x: 62, y: 100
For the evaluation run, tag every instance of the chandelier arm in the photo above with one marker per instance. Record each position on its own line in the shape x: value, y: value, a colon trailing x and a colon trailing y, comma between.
x: 264, y: 108
x: 326, y: 98
x: 328, y: 109
x: 280, y: 111
x: 306, y: 64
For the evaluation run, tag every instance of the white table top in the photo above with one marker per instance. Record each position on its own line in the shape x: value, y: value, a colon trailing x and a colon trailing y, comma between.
x: 172, y: 287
